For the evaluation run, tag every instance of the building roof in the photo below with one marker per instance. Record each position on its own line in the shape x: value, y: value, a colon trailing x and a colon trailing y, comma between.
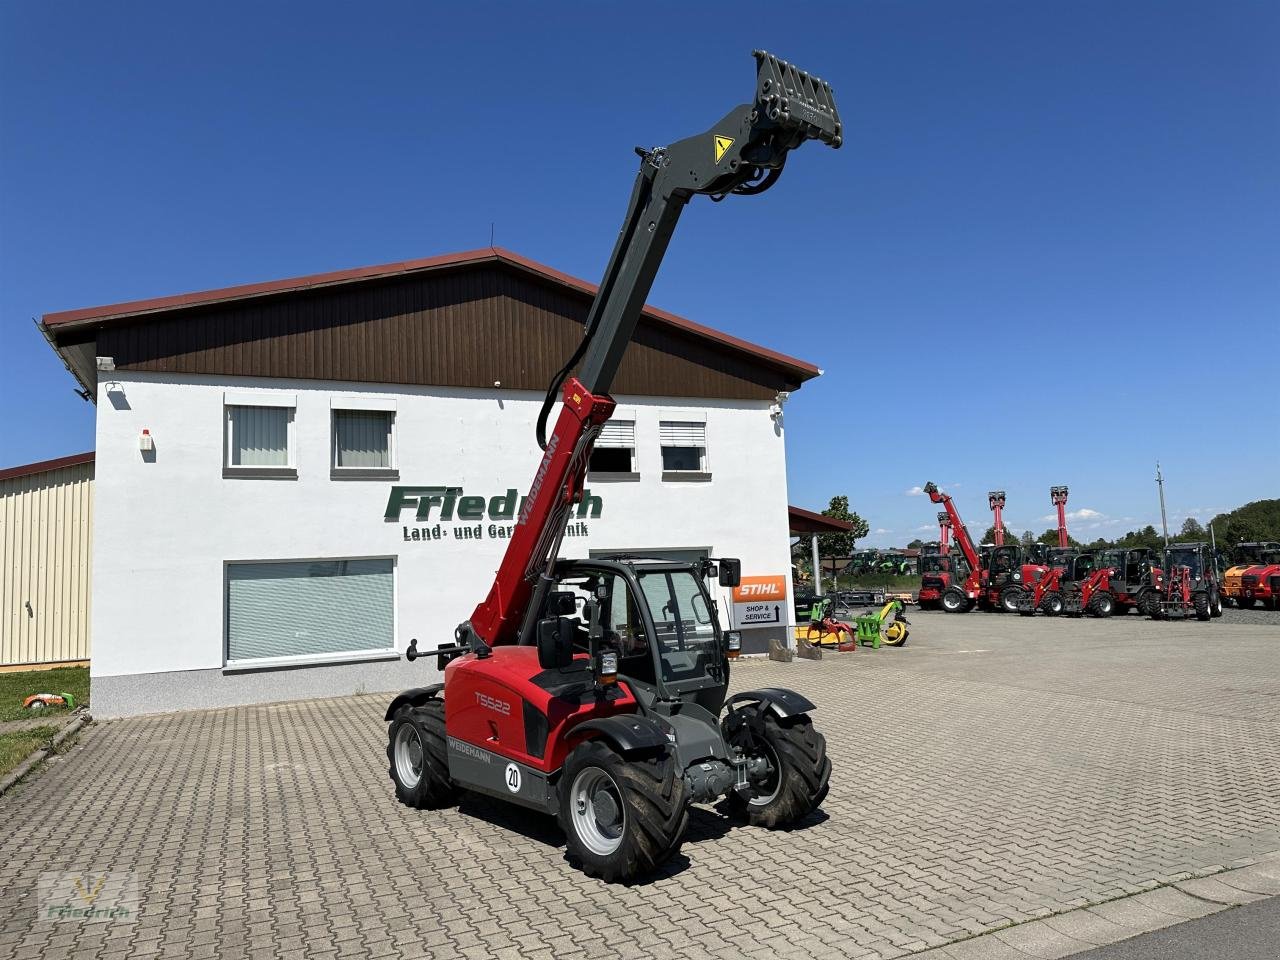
x: 133, y: 310
x: 806, y: 521
x: 44, y: 466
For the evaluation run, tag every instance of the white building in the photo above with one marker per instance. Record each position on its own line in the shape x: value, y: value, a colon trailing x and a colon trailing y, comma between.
x: 294, y: 479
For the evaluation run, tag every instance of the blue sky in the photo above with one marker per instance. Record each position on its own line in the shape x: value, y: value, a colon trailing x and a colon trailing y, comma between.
x: 1048, y: 252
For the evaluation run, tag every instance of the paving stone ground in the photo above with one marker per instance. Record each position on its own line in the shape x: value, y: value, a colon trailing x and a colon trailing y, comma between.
x: 993, y: 771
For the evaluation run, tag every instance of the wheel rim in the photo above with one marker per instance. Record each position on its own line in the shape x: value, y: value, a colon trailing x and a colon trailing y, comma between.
x: 598, y: 814
x: 408, y: 753
x: 774, y: 781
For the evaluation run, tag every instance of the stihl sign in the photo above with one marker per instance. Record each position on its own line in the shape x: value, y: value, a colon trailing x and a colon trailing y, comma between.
x: 760, y: 588
x: 760, y: 602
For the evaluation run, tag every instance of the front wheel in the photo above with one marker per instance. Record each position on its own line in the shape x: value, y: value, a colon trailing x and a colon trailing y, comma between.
x: 953, y: 601
x: 799, y: 770
x: 418, y: 757
x: 1052, y: 604
x: 1102, y: 604
x: 621, y: 818
x: 1201, y: 604
x: 1011, y: 598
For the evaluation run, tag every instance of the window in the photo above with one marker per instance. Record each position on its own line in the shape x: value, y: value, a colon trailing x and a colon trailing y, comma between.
x: 686, y: 630
x: 615, y: 449
x: 259, y: 441
x: 684, y: 448
x: 362, y: 444
x: 309, y: 609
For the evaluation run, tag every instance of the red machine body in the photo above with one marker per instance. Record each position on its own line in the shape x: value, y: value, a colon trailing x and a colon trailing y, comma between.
x: 487, y: 706
x: 1260, y: 583
x: 938, y: 571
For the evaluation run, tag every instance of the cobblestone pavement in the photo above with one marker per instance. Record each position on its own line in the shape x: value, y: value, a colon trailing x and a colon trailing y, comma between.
x: 994, y: 770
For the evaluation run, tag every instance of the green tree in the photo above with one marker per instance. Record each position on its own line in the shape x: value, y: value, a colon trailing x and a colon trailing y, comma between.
x: 841, y: 544
x: 1050, y: 539
x: 915, y: 544
x: 1191, y: 530
x: 1258, y: 520
x: 990, y: 535
x: 1028, y: 538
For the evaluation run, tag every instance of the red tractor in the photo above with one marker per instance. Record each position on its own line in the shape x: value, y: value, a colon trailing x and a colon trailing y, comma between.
x: 1135, y: 571
x: 1190, y: 584
x: 994, y: 580
x: 596, y: 690
x: 1256, y: 578
x: 939, y: 568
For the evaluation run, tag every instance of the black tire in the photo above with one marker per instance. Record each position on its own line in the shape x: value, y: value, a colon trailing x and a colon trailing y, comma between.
x: 1102, y: 605
x: 419, y: 761
x: 1051, y: 605
x: 1201, y: 603
x: 647, y: 794
x: 1011, y: 598
x: 803, y: 775
x: 953, y: 601
x: 1148, y: 603
x: 1215, y: 606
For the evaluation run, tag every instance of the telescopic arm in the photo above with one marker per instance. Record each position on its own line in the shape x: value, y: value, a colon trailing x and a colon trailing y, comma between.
x: 742, y: 154
x: 958, y: 530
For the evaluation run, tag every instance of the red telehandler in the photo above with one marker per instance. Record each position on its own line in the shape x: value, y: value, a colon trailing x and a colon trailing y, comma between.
x: 595, y: 690
x: 996, y: 580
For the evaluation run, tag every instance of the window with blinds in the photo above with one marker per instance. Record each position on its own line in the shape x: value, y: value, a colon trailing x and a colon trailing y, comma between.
x: 684, y: 446
x: 258, y: 437
x: 309, y: 608
x: 615, y: 449
x: 362, y: 439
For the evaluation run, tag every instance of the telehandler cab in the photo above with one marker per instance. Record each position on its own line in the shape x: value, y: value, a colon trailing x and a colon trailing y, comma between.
x: 595, y: 690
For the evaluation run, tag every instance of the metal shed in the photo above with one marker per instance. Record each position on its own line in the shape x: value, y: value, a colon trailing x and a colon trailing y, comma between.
x: 46, y: 529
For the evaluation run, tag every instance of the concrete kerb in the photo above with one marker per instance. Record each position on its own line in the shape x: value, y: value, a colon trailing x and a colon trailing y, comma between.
x: 80, y: 720
x: 1062, y: 934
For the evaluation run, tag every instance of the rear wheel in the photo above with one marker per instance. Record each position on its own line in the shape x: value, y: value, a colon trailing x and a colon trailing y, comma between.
x: 1215, y: 608
x: 1101, y: 604
x: 799, y: 771
x: 419, y: 761
x: 953, y: 601
x: 1011, y: 598
x: 621, y: 818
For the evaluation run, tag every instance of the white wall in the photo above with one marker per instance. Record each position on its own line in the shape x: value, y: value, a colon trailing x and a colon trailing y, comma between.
x: 165, y: 525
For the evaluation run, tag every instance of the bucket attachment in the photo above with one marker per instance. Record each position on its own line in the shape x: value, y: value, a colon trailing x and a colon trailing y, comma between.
x: 796, y: 102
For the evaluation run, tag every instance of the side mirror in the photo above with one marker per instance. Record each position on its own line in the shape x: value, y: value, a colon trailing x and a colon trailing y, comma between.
x: 555, y: 642
x: 561, y: 603
x: 730, y: 572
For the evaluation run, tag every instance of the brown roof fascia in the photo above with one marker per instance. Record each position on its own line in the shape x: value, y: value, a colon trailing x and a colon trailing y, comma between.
x: 87, y: 316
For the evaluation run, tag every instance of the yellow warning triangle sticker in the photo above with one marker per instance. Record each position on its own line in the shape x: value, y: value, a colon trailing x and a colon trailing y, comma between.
x: 722, y: 144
